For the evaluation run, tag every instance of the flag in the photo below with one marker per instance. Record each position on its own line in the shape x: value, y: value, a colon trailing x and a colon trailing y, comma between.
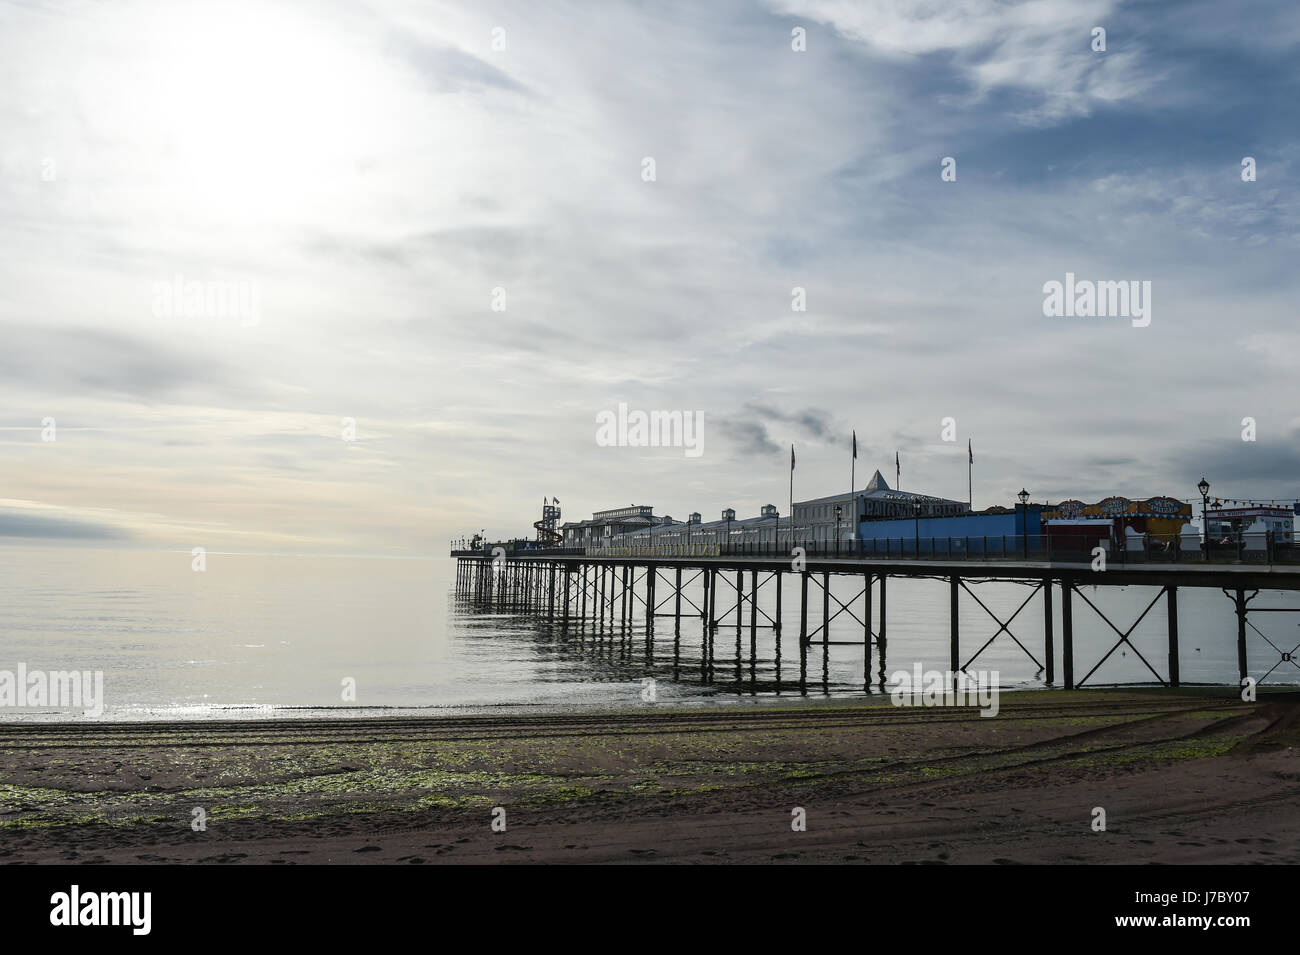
x: 969, y: 452
x: 555, y: 500
x: 855, y: 445
x: 792, y: 457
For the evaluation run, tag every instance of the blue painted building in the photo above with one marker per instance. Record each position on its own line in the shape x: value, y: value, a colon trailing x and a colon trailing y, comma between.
x: 981, y: 533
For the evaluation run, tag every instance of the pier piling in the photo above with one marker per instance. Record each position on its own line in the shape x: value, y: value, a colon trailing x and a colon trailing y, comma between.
x: 571, y: 592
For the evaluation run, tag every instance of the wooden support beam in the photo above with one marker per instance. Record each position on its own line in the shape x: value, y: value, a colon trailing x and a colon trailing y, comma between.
x: 713, y: 621
x: 753, y: 632
x: 826, y: 633
x: 1049, y: 651
x: 740, y: 593
x: 623, y: 600
x: 567, y: 573
x: 677, y: 602
x: 954, y: 629
x: 780, y: 577
x: 550, y: 591
x: 866, y: 633
x: 803, y: 633
x: 1171, y: 604
x: 881, y: 640
x: 582, y: 610
x: 1067, y: 631
x: 650, y: 574
x: 826, y: 608
x: 1242, y: 669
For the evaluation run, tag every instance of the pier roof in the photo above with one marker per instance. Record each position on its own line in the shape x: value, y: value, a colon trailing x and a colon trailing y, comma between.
x: 878, y: 489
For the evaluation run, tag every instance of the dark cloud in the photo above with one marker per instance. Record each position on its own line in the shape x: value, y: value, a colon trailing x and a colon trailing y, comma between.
x: 81, y: 361
x: 1243, y: 468
x: 751, y: 429
x: 748, y: 435
x: 16, y: 523
x: 812, y: 422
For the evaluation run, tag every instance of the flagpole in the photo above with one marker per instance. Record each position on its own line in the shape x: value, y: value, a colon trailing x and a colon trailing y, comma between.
x: 853, y: 484
x: 970, y: 467
x: 792, y: 498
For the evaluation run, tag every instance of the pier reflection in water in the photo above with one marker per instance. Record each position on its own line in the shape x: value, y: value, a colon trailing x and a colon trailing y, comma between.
x: 753, y: 647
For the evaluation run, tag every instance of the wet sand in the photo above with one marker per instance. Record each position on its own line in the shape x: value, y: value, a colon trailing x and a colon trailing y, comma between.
x: 1191, y: 776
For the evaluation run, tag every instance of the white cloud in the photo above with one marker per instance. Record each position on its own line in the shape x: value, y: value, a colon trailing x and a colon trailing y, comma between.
x: 423, y: 170
x: 1038, y: 46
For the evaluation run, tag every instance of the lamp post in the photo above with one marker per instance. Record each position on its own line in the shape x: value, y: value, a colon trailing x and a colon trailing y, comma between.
x: 1204, y: 488
x: 1024, y: 521
x: 838, y: 511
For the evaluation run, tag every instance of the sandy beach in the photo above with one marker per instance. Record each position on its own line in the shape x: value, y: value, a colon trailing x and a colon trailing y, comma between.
x: 1190, y: 776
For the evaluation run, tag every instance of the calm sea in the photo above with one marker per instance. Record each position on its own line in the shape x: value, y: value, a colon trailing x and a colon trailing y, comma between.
x: 259, y: 636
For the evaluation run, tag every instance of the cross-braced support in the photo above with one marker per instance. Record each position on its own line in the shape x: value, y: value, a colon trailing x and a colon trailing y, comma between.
x: 1124, y: 635
x: 1241, y: 601
x: 1004, y: 626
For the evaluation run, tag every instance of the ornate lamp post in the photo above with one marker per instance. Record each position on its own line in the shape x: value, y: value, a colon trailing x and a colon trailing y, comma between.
x: 838, y: 511
x: 1204, y: 488
x: 1024, y: 521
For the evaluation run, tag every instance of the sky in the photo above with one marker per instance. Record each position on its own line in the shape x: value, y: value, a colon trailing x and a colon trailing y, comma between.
x: 361, y: 277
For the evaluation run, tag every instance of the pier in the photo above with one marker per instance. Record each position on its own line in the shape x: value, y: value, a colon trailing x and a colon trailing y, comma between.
x: 592, y: 595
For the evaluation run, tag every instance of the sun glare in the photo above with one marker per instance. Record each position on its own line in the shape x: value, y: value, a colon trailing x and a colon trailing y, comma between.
x: 257, y: 112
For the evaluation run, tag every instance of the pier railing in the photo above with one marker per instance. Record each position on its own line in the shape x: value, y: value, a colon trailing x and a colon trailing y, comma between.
x: 1149, y: 548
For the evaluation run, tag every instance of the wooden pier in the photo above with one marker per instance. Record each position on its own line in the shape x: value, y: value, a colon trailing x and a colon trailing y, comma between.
x: 596, y: 596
